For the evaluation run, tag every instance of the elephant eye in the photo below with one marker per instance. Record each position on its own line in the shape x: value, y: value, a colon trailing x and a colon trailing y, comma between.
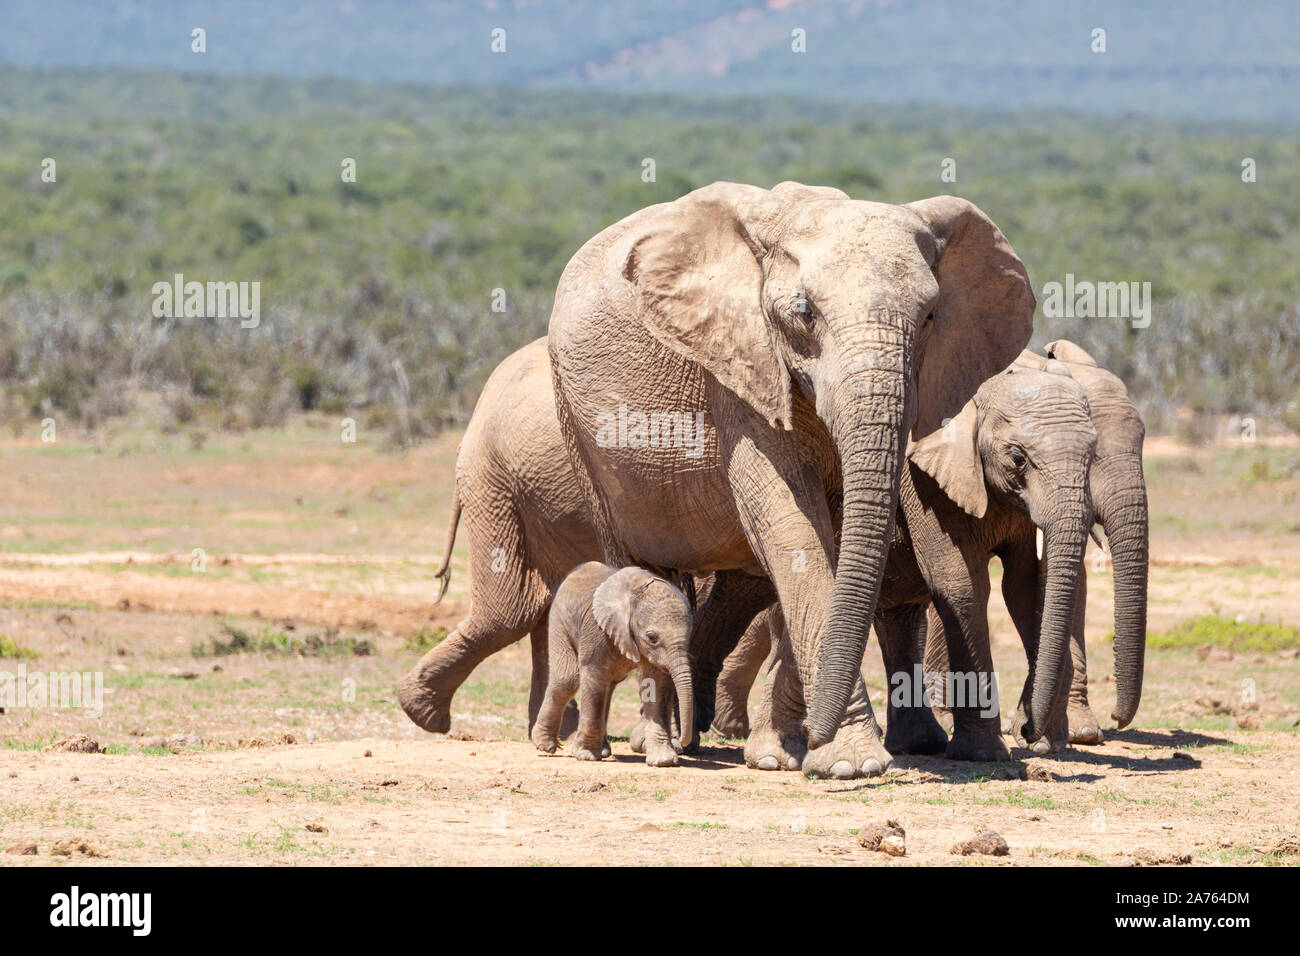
x: 652, y: 637
x: 1017, y: 455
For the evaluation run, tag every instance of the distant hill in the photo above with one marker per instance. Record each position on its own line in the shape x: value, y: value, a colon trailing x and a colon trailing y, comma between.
x: 1196, y: 58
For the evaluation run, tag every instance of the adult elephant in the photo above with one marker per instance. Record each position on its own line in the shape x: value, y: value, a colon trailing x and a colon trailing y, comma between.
x: 528, y: 526
x: 807, y: 333
x: 1016, y: 456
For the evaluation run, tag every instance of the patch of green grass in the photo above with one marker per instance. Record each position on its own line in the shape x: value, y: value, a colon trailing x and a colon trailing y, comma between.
x: 424, y: 640
x: 328, y: 643
x: 11, y: 648
x: 699, y: 826
x: 1223, y: 632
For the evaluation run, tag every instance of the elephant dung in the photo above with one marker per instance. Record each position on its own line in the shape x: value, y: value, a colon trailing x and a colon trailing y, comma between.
x: 77, y: 744
x: 887, y: 837
x: 984, y: 842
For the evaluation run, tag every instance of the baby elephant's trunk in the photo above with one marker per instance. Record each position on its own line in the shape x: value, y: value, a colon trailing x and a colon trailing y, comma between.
x: 681, y: 674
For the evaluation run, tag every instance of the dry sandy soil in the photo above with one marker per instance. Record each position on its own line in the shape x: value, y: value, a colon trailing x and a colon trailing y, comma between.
x: 303, y: 757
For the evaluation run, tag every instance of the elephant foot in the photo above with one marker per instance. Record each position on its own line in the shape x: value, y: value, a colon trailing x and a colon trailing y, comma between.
x: 569, y: 721
x: 660, y: 755
x: 768, y: 749
x: 1055, y: 740
x: 979, y: 743
x: 636, y: 740
x: 426, y: 706
x: 914, y: 730
x: 856, y: 751
x: 588, y: 753
x: 544, y: 742
x: 1084, y: 728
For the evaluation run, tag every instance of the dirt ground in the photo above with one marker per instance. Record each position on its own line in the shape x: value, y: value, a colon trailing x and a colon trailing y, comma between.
x: 297, y: 752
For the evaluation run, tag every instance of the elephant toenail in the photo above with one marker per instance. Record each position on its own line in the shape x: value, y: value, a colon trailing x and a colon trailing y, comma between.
x: 842, y: 770
x: 767, y: 763
x: 872, y: 768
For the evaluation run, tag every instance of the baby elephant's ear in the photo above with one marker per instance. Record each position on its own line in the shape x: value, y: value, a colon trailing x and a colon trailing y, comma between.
x: 612, y: 605
x: 951, y: 457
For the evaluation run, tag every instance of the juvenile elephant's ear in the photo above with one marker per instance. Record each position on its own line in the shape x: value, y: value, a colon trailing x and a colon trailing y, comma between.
x: 696, y: 269
x: 612, y: 606
x: 1067, y: 351
x: 985, y: 312
x: 951, y: 457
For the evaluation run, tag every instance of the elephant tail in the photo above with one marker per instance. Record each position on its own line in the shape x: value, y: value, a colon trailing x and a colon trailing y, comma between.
x: 444, y: 569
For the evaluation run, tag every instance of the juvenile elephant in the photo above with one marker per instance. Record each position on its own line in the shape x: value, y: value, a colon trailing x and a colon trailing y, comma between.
x: 1016, y: 455
x: 604, y: 623
x: 1119, y: 497
x: 528, y: 526
x: 805, y: 333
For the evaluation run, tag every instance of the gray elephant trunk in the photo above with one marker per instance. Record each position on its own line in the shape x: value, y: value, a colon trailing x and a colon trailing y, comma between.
x: 1121, y: 498
x: 1065, y: 537
x: 681, y: 674
x: 868, y: 425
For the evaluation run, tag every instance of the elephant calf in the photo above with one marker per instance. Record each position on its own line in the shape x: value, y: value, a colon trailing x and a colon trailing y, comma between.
x: 603, y: 623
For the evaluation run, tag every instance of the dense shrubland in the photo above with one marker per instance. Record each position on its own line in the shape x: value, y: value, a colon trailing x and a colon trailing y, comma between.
x: 377, y: 296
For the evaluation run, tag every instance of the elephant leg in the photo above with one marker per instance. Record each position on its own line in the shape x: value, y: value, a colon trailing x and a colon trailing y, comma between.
x: 726, y: 617
x: 505, y: 605
x: 787, y: 523
x: 969, y: 684
x: 562, y: 684
x: 739, y: 671
x: 910, y: 727
x: 591, y: 742
x: 776, y: 741
x: 426, y: 690
x: 537, y: 640
x: 1083, y: 724
x: 936, y: 665
x: 658, y: 714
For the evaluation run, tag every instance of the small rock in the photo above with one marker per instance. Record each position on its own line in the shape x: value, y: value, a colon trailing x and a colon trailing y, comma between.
x: 887, y: 837
x: 648, y: 828
x: 1182, y: 755
x: 590, y: 786
x: 388, y: 783
x: 983, y: 843
x: 77, y: 744
x: 1248, y: 722
x: 367, y: 754
x: 22, y: 849
x: 316, y: 828
x: 1039, y: 773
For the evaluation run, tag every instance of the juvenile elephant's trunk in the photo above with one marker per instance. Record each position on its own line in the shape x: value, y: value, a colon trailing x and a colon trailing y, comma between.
x: 681, y: 674
x: 1064, y: 540
x: 867, y: 421
x: 1121, y: 499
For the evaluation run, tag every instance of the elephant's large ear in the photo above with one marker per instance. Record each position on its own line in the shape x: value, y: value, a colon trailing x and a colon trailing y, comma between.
x: 985, y: 312
x: 1067, y: 351
x: 696, y: 269
x: 612, y: 606
x: 951, y: 457
x: 798, y: 191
